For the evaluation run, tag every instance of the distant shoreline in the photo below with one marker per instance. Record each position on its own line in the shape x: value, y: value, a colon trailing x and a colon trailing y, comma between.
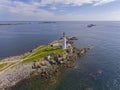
x: 27, y: 22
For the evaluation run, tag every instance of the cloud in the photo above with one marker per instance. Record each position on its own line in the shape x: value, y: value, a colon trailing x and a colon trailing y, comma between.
x: 36, y: 9
x: 103, y: 2
x: 76, y: 2
x: 53, y: 8
x: 22, y: 11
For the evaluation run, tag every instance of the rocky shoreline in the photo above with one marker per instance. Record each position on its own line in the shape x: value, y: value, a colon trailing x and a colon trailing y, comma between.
x: 45, y: 68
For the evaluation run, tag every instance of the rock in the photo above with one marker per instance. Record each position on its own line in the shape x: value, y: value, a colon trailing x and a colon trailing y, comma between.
x: 59, y: 59
x: 89, y: 47
x: 36, y: 65
x: 64, y: 56
x: 100, y: 71
x: 73, y: 38
x: 61, y: 62
x: 31, y: 51
x: 0, y: 81
x: 2, y: 89
x: 55, y: 58
x: 52, y: 62
x: 48, y: 57
x: 34, y: 73
x: 82, y: 52
x: 43, y: 63
x: 68, y: 50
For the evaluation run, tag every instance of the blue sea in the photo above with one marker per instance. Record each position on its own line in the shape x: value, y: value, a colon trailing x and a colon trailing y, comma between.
x: 99, y: 69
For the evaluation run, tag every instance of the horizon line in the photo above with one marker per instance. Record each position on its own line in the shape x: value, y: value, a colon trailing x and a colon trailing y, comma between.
x: 56, y: 20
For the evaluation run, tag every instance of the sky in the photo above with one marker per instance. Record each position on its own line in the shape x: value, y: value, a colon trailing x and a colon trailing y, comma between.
x: 59, y: 10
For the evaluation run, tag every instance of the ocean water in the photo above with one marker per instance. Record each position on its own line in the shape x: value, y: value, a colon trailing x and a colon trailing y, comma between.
x: 99, y: 69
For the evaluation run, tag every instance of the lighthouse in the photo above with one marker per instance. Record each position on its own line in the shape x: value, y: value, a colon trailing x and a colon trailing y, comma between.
x: 64, y: 46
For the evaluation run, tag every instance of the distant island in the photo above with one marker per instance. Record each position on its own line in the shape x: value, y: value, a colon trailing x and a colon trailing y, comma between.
x: 24, y: 23
x: 48, y: 22
x: 44, y: 61
x: 14, y: 23
x: 91, y: 25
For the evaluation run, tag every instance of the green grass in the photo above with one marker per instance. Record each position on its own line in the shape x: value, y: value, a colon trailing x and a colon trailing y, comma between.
x: 42, y: 51
x: 3, y: 65
x: 37, y: 54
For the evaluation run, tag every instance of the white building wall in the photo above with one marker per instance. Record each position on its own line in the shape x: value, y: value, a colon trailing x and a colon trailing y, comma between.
x: 64, y: 46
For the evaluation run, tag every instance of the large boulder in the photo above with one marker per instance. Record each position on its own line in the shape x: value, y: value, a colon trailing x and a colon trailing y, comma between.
x: 38, y: 64
x: 43, y: 63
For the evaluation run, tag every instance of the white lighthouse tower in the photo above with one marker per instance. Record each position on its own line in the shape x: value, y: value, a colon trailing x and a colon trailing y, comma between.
x: 64, y: 46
